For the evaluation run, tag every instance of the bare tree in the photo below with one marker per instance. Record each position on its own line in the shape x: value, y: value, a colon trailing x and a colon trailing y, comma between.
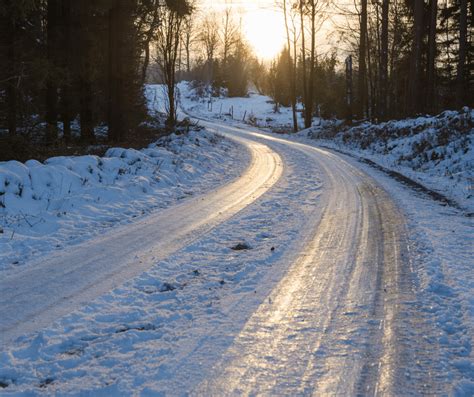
x: 51, y: 116
x: 228, y: 34
x: 413, y: 100
x: 9, y: 41
x: 383, y: 73
x: 67, y: 65
x: 209, y: 39
x: 312, y: 12
x: 461, y: 67
x: 362, y: 78
x: 85, y: 71
x: 188, y: 40
x: 147, y: 25
x: 291, y: 64
x: 169, y: 37
x: 431, y: 97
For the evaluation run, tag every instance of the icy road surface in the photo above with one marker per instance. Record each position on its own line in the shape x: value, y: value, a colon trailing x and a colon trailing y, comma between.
x: 333, y: 324
x: 60, y: 283
x: 321, y: 304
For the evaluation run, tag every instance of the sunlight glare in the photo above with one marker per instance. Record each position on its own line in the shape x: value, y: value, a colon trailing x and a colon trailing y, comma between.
x: 264, y: 29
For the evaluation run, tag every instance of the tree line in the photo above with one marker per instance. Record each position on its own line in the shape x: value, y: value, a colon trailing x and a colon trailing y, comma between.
x: 405, y: 57
x: 409, y: 57
x: 81, y: 64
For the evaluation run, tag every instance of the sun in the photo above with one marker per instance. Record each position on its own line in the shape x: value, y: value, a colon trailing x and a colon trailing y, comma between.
x: 265, y: 31
x: 262, y: 23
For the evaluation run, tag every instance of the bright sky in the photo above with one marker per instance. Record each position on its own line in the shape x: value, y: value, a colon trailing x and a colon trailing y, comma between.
x: 262, y: 23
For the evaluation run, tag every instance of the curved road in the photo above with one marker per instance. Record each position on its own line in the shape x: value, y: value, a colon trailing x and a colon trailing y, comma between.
x: 59, y: 283
x: 330, y: 327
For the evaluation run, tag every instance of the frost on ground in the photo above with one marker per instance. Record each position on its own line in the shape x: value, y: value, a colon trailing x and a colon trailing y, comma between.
x: 65, y: 200
x: 161, y: 333
x: 441, y: 242
x: 435, y: 151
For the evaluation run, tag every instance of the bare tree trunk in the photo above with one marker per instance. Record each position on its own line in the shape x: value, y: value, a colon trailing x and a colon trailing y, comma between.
x: 303, y: 60
x: 431, y: 92
x: 310, y: 102
x: 121, y: 50
x: 51, y: 116
x: 292, y: 70
x: 149, y: 38
x: 168, y: 52
x: 394, y: 75
x: 146, y: 61
x: 85, y: 83
x: 461, y: 69
x: 383, y: 74
x: 172, y: 73
x: 66, y: 85
x: 415, y: 66
x: 188, y: 47
x: 371, y: 79
x: 362, y: 81
x: 115, y: 74
x: 12, y: 73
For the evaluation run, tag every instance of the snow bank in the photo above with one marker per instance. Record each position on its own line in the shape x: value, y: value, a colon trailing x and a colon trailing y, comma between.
x: 69, y: 199
x: 435, y: 151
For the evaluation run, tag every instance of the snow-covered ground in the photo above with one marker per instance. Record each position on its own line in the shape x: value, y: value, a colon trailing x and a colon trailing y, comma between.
x: 441, y: 236
x: 257, y: 110
x: 138, y: 338
x: 436, y: 151
x: 161, y: 333
x: 65, y: 200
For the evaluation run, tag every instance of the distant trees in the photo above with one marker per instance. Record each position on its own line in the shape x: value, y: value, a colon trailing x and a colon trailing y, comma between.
x: 66, y: 63
x: 209, y: 41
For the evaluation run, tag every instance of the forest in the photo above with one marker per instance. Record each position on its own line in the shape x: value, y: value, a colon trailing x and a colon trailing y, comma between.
x: 73, y: 72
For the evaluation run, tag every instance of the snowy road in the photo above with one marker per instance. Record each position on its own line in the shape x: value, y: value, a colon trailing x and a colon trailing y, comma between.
x: 328, y: 312
x: 60, y: 283
x: 329, y: 327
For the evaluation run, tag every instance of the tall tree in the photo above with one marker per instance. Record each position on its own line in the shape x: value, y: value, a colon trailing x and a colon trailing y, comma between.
x: 67, y: 65
x: 11, y: 77
x: 121, y: 54
x: 309, y: 105
x: 362, y: 77
x: 461, y: 69
x: 169, y: 37
x: 149, y: 19
x: 228, y: 35
x: 414, y: 98
x: 291, y: 68
x: 53, y: 40
x: 431, y: 92
x: 383, y: 73
x: 85, y: 16
x: 301, y: 9
x: 188, y: 40
x: 209, y: 39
